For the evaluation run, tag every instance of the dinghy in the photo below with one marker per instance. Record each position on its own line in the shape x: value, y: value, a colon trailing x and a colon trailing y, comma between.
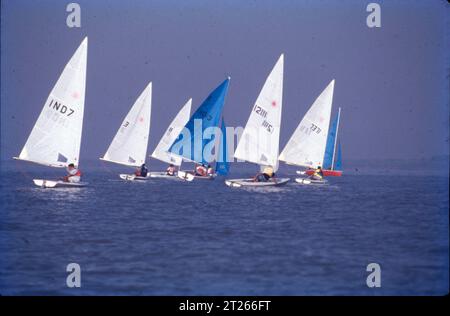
x: 162, y: 175
x: 58, y: 184
x: 132, y: 177
x: 222, y: 166
x: 207, y: 116
x: 186, y: 175
x: 332, y: 161
x: 129, y: 146
x: 237, y: 183
x: 56, y: 136
x: 306, y: 147
x: 309, y: 181
x: 259, y: 142
x: 170, y: 136
x: 191, y: 172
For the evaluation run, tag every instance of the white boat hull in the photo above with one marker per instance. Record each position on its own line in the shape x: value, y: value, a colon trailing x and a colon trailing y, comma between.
x: 132, y: 177
x: 237, y: 183
x: 150, y: 175
x: 58, y: 184
x: 307, y: 181
x: 211, y: 177
x: 187, y: 176
x: 162, y: 175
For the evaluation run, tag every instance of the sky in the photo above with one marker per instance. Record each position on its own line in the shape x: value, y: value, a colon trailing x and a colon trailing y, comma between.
x: 392, y: 82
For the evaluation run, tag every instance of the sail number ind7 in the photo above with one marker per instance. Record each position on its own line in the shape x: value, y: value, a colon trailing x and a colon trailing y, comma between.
x: 58, y: 106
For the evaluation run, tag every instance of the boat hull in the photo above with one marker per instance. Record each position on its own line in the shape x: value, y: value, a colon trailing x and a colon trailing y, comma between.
x: 132, y: 177
x: 237, y: 183
x: 150, y: 175
x: 211, y: 177
x: 307, y: 181
x: 58, y: 184
x: 162, y: 175
x: 326, y: 173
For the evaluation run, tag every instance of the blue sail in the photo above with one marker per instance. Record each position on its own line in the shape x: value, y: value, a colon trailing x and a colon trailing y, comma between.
x: 222, y: 164
x: 338, y: 162
x: 331, y: 140
x: 206, y: 116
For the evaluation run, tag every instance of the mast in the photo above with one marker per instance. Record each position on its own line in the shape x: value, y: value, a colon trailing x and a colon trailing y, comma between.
x: 335, y: 138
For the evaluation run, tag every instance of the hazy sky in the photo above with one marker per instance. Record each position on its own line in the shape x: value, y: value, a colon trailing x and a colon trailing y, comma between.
x: 391, y: 82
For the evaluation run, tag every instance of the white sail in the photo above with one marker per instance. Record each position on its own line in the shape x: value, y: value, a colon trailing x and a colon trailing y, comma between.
x: 56, y: 136
x: 259, y: 142
x: 129, y: 146
x: 171, y: 134
x: 306, y: 147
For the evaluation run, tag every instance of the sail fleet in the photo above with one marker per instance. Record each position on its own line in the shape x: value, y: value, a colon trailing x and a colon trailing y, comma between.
x: 199, y: 138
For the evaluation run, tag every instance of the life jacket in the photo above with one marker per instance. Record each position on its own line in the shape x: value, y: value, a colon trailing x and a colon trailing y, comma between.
x: 268, y: 171
x: 262, y: 177
x: 201, y: 170
x: 318, y: 173
x: 76, y: 174
x: 170, y: 170
x: 144, y: 171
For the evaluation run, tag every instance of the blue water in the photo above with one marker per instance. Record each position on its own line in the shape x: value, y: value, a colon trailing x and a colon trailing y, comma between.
x: 203, y: 238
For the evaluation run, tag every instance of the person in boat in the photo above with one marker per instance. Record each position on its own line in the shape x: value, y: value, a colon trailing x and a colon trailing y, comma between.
x: 170, y: 171
x: 142, y: 171
x: 318, y: 174
x: 74, y: 174
x: 201, y: 170
x: 267, y: 175
x: 210, y: 171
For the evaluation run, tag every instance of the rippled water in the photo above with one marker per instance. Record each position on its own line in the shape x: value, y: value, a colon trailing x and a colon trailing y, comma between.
x: 167, y: 237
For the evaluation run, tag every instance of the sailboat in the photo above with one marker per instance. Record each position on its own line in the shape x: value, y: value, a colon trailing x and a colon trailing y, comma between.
x: 170, y: 136
x: 129, y: 146
x: 206, y: 116
x: 332, y: 161
x: 307, y: 145
x: 56, y: 136
x: 222, y: 163
x: 259, y: 142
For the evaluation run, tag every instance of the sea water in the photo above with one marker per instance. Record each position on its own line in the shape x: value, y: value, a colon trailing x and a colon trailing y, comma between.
x: 163, y: 237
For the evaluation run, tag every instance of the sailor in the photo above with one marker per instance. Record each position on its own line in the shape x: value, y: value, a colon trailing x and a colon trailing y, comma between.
x: 318, y: 174
x: 74, y: 174
x: 170, y: 171
x: 210, y: 171
x: 200, y: 170
x: 266, y: 175
x: 142, y: 171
